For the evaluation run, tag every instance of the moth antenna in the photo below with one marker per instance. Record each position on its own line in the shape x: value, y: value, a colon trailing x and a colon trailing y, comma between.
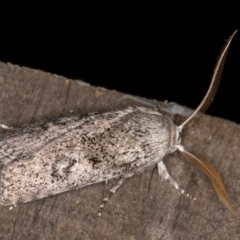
x: 213, y: 175
x: 216, y: 77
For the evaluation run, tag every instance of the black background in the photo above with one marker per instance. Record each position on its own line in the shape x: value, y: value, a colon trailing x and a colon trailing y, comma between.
x: 158, y: 54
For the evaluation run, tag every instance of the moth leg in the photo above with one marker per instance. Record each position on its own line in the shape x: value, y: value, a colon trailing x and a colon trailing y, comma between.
x: 5, y: 126
x: 112, y: 191
x: 163, y: 172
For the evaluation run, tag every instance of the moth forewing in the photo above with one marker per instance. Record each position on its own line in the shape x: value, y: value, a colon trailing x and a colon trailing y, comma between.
x: 52, y: 157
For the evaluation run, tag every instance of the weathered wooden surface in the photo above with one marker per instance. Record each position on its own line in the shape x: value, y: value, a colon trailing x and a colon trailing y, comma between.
x: 144, y: 207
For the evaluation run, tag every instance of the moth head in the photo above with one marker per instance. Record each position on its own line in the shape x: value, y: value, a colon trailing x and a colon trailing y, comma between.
x: 199, y: 162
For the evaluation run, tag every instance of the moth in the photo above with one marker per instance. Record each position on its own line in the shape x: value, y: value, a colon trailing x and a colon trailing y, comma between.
x: 52, y: 157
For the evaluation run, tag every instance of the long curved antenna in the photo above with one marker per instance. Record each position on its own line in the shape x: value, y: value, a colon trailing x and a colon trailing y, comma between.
x: 212, y: 90
x: 213, y: 175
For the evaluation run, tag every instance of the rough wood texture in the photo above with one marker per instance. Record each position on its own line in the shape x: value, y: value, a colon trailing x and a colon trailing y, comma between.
x: 145, y: 207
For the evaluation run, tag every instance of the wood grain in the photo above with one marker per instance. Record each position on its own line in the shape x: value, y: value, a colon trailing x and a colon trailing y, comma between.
x: 145, y: 207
